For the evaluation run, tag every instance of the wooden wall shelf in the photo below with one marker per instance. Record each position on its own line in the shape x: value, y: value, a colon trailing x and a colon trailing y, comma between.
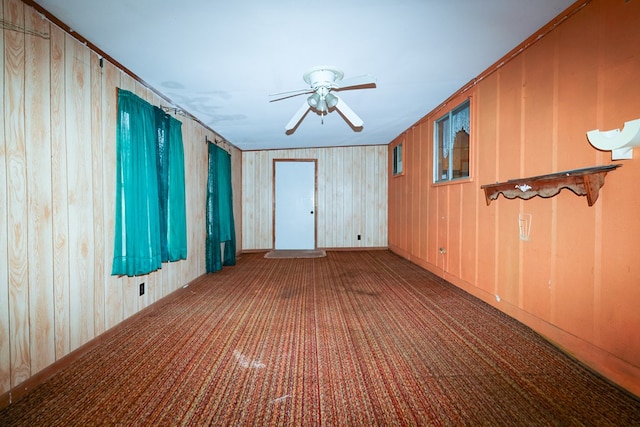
x: 583, y: 182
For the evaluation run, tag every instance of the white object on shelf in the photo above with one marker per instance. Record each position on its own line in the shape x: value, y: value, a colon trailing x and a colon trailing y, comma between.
x: 619, y: 142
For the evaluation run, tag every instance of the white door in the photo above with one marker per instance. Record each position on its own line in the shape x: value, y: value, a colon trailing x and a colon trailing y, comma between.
x: 295, y: 201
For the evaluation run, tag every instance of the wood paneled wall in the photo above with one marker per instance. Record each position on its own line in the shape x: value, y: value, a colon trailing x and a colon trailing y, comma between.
x: 57, y: 186
x: 577, y: 279
x: 352, y: 196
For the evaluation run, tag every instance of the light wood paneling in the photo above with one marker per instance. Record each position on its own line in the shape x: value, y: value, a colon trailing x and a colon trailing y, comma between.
x: 5, y: 331
x: 97, y: 145
x: 80, y: 201
x: 40, y: 226
x: 61, y: 267
x: 113, y: 293
x: 352, y: 196
x: 58, y: 104
x: 14, y: 81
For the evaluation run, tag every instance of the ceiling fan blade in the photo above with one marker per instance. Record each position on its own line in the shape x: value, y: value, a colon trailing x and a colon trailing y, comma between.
x: 290, y: 94
x: 290, y: 91
x: 297, y: 117
x: 364, y: 80
x: 348, y: 113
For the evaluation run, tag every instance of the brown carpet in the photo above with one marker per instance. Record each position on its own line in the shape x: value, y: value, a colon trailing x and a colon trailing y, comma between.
x: 351, y: 339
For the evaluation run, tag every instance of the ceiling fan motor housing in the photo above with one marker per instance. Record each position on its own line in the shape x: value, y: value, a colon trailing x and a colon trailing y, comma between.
x: 322, y: 76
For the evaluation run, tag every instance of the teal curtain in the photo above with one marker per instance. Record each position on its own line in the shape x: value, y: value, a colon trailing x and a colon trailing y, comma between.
x: 137, y: 248
x: 176, y: 202
x: 162, y: 157
x: 220, y: 223
x: 171, y: 187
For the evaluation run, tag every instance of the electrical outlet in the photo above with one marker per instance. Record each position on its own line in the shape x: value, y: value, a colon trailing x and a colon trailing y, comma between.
x: 358, y: 237
x: 141, y: 288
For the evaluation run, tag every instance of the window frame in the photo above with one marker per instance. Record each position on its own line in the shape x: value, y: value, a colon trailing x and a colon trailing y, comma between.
x: 437, y: 176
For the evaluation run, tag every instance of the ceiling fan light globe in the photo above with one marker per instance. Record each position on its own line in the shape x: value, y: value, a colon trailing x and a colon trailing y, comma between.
x: 313, y: 100
x: 331, y: 100
x: 322, y: 106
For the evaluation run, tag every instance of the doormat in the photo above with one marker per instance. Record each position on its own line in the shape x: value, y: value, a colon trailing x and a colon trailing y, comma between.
x: 296, y: 253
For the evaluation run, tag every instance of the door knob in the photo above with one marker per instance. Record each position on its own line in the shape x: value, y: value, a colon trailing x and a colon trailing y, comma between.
x: 312, y: 212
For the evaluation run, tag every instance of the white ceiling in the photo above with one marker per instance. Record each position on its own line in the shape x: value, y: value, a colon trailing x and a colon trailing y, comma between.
x: 220, y: 61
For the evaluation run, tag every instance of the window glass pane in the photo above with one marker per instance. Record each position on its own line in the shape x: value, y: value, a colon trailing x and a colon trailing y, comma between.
x: 451, y: 145
x: 397, y: 159
x: 442, y: 169
x: 460, y: 168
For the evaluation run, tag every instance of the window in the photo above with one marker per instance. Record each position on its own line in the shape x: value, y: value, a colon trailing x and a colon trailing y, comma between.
x: 150, y: 208
x: 451, y: 148
x: 219, y: 216
x: 397, y: 159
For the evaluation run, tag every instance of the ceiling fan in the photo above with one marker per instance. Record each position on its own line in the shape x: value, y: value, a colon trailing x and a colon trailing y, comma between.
x: 323, y: 81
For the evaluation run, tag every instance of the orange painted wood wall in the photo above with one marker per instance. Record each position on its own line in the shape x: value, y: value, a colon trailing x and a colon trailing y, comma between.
x: 577, y: 279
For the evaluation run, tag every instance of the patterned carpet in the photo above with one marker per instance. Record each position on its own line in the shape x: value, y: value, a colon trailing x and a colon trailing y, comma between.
x: 351, y: 339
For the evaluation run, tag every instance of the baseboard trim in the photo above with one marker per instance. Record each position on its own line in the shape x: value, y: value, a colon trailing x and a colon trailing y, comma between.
x: 345, y: 249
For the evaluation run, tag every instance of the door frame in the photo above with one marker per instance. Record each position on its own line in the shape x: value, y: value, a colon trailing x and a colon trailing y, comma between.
x: 315, y: 198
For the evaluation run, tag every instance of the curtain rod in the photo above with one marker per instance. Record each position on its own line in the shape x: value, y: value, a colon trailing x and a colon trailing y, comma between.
x: 218, y: 139
x: 220, y: 142
x: 22, y: 29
